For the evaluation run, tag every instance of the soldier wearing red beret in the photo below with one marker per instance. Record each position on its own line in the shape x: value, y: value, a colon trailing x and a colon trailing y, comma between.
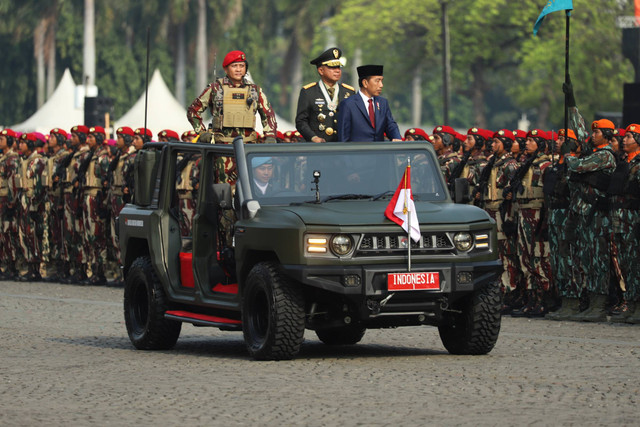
x: 188, y: 136
x: 9, y: 182
x: 446, y: 145
x: 168, y: 135
x: 233, y: 102
x: 416, y: 134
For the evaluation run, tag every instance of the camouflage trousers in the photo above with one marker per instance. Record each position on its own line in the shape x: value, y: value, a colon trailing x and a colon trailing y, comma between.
x: 31, y: 234
x: 533, y: 250
x: 628, y: 245
x: 226, y: 172
x: 116, y: 205
x: 8, y: 233
x: 95, y: 233
x: 591, y: 259
x: 560, y: 247
x: 511, y: 277
x: 187, y: 206
x: 72, y: 232
x: 55, y: 208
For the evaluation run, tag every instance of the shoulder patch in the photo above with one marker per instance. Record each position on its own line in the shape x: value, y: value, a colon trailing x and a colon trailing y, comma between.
x: 348, y: 87
x: 310, y: 85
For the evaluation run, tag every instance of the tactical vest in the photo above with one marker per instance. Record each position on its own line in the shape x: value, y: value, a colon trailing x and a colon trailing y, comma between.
x: 29, y: 182
x: 238, y: 108
x: 72, y: 169
x: 533, y: 195
x: 4, y: 184
x: 599, y: 180
x: 91, y: 180
x: 184, y: 184
x: 118, y: 174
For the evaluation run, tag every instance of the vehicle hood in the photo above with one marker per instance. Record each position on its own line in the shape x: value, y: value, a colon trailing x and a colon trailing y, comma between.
x: 366, y: 212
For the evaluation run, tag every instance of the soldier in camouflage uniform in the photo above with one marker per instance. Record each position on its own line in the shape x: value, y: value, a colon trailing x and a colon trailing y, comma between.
x: 233, y: 102
x: 96, y: 205
x: 502, y: 167
x: 557, y: 198
x: 55, y: 202
x: 9, y: 180
x: 446, y: 145
x: 188, y: 136
x: 32, y: 207
x: 625, y: 216
x: 187, y: 183
x: 526, y: 189
x: 117, y: 184
x: 73, y: 230
x: 140, y: 137
x: 473, y: 159
x: 590, y: 176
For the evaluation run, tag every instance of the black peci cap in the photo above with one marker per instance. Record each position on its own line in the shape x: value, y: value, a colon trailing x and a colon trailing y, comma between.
x: 368, y: 71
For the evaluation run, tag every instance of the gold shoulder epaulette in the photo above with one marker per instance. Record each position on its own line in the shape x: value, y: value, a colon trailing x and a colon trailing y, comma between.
x: 310, y: 85
x: 348, y: 87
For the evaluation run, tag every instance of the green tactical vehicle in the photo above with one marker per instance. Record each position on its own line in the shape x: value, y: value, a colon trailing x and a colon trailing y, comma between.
x: 304, y: 246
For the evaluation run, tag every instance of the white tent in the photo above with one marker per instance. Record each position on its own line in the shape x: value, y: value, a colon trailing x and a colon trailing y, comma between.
x: 59, y: 110
x: 163, y: 110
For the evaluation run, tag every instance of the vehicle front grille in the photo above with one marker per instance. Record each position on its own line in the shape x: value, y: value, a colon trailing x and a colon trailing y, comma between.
x: 396, y: 244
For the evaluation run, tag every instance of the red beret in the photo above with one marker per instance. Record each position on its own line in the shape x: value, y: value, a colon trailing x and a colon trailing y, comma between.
x: 124, y: 130
x: 234, y: 56
x: 570, y: 132
x: 187, y: 133
x: 602, y: 124
x: 28, y: 136
x: 504, y: 133
x: 279, y: 135
x: 620, y: 132
x: 60, y: 132
x: 288, y: 134
x: 486, y: 134
x: 416, y: 131
x: 537, y: 133
x: 143, y: 131
x: 169, y: 134
x: 9, y: 132
x: 444, y: 129
x: 519, y: 133
x: 461, y: 137
x: 80, y: 129
x: 97, y: 129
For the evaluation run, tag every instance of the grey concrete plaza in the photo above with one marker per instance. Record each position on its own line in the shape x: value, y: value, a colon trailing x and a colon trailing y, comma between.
x: 66, y: 360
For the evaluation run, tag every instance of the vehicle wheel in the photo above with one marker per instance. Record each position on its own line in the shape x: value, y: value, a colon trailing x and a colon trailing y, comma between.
x: 475, y: 330
x: 345, y: 335
x: 144, y: 306
x: 272, y: 314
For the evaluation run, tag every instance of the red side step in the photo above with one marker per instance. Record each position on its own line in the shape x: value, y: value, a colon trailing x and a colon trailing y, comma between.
x: 202, y: 319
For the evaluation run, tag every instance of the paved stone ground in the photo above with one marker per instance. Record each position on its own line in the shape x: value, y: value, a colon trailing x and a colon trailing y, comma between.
x: 66, y: 360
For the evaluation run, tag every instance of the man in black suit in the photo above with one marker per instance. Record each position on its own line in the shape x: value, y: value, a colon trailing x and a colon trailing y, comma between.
x: 317, y: 116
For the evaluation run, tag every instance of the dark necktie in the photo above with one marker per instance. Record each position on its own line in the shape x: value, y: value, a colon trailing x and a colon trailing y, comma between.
x: 330, y: 90
x: 372, y: 115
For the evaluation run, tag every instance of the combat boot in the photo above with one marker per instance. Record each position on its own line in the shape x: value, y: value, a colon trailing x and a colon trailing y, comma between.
x: 526, y: 308
x: 98, y: 279
x: 569, y: 308
x: 65, y: 272
x: 621, y: 312
x: 596, y: 312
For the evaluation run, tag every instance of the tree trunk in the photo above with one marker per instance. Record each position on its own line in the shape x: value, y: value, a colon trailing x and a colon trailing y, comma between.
x: 296, y: 83
x: 38, y: 52
x: 201, y: 47
x: 181, y: 73
x: 89, y: 46
x: 478, y: 88
x: 51, y: 58
x: 416, y: 97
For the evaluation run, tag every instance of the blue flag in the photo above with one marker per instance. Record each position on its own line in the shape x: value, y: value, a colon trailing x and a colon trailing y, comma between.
x: 552, y: 6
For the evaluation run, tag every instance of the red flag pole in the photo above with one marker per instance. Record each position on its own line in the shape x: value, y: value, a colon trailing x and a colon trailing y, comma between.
x: 406, y: 206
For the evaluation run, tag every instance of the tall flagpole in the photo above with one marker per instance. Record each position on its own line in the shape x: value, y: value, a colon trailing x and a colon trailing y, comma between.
x: 408, y: 207
x: 566, y: 74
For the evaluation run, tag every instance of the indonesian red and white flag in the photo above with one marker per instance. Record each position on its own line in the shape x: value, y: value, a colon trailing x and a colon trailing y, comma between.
x: 401, y: 207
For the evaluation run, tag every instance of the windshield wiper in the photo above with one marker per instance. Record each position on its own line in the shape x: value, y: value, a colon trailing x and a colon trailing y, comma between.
x: 381, y: 195
x: 346, y: 197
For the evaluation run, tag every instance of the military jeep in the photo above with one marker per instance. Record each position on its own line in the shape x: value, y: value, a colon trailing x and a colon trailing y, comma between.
x: 310, y: 248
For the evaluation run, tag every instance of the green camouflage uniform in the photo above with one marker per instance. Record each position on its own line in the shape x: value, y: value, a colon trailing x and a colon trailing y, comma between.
x: 593, y: 224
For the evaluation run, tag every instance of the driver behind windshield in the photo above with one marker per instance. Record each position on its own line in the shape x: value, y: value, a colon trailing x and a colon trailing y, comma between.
x: 262, y: 175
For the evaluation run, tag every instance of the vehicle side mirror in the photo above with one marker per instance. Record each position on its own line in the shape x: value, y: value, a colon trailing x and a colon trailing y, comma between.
x: 250, y: 208
x: 461, y: 190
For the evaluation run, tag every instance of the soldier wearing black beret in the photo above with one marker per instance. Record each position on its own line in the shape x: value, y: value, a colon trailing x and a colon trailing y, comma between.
x: 317, y: 116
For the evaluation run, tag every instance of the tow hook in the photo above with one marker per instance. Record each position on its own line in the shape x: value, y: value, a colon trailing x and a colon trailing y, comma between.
x: 375, y: 306
x: 444, y: 306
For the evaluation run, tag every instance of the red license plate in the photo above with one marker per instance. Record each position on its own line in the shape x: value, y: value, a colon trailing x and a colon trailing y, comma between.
x: 413, y: 281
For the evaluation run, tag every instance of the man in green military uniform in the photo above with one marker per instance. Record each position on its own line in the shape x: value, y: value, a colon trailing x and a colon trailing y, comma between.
x: 317, y: 116
x: 233, y: 101
x: 590, y: 176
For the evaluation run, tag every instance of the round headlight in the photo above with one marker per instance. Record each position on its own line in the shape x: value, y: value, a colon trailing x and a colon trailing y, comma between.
x: 463, y: 241
x: 341, y: 244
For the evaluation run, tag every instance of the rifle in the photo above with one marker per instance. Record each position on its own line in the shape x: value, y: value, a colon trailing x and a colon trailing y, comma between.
x: 79, y: 179
x: 483, y: 182
x: 514, y: 186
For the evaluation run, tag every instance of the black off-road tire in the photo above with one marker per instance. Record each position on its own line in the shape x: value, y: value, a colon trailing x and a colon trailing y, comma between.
x: 273, y: 317
x: 345, y: 335
x: 475, y: 330
x: 144, y: 306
